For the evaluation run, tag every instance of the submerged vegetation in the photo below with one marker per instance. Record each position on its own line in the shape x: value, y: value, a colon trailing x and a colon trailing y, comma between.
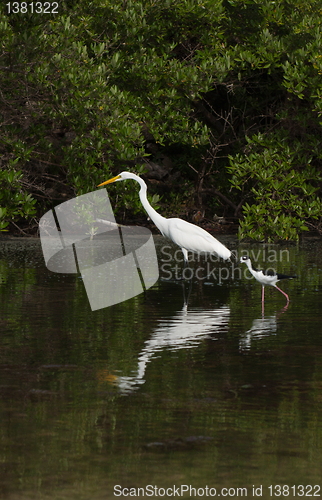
x: 217, y: 102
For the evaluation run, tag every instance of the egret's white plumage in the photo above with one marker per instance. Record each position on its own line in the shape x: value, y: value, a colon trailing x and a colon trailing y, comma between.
x: 186, y: 235
x: 265, y: 277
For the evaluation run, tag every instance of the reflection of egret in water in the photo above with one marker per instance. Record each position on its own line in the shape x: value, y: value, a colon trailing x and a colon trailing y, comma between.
x: 183, y: 331
x: 261, y: 327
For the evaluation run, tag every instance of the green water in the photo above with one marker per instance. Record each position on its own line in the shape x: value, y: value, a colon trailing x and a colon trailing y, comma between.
x: 176, y: 388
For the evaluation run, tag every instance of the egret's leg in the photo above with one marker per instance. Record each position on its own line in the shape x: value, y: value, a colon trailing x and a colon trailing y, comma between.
x: 185, y: 258
x: 283, y: 293
x: 186, y: 300
x: 185, y: 262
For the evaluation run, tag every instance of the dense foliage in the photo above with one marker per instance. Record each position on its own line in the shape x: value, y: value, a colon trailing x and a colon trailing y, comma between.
x: 224, y: 95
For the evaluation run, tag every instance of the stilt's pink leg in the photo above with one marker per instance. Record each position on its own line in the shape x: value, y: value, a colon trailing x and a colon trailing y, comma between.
x: 283, y: 293
x: 263, y: 289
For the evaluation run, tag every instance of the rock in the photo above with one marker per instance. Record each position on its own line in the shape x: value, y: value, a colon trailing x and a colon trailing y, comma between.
x: 155, y: 171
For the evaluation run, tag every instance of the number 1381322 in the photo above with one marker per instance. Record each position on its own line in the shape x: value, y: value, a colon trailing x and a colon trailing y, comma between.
x: 32, y: 7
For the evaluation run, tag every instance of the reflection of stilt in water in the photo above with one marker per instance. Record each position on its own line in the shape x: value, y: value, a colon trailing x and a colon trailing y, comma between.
x: 277, y: 314
x: 262, y: 327
x: 183, y: 331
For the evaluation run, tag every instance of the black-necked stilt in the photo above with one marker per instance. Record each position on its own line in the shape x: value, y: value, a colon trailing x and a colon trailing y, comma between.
x: 266, y: 277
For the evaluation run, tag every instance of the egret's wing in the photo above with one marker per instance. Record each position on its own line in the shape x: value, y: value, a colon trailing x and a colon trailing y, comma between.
x: 195, y: 239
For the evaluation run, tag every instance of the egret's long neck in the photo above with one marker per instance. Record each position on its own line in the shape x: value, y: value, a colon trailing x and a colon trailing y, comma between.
x: 158, y: 219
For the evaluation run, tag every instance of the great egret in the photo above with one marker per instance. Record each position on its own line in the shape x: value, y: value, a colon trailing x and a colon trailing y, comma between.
x: 187, y: 236
x: 266, y: 277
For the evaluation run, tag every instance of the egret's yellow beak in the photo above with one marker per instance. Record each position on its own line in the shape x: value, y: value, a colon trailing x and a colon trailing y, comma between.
x: 109, y: 182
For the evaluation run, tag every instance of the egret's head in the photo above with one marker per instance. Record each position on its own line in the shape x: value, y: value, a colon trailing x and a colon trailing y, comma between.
x: 121, y: 177
x: 244, y: 259
x: 114, y: 179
